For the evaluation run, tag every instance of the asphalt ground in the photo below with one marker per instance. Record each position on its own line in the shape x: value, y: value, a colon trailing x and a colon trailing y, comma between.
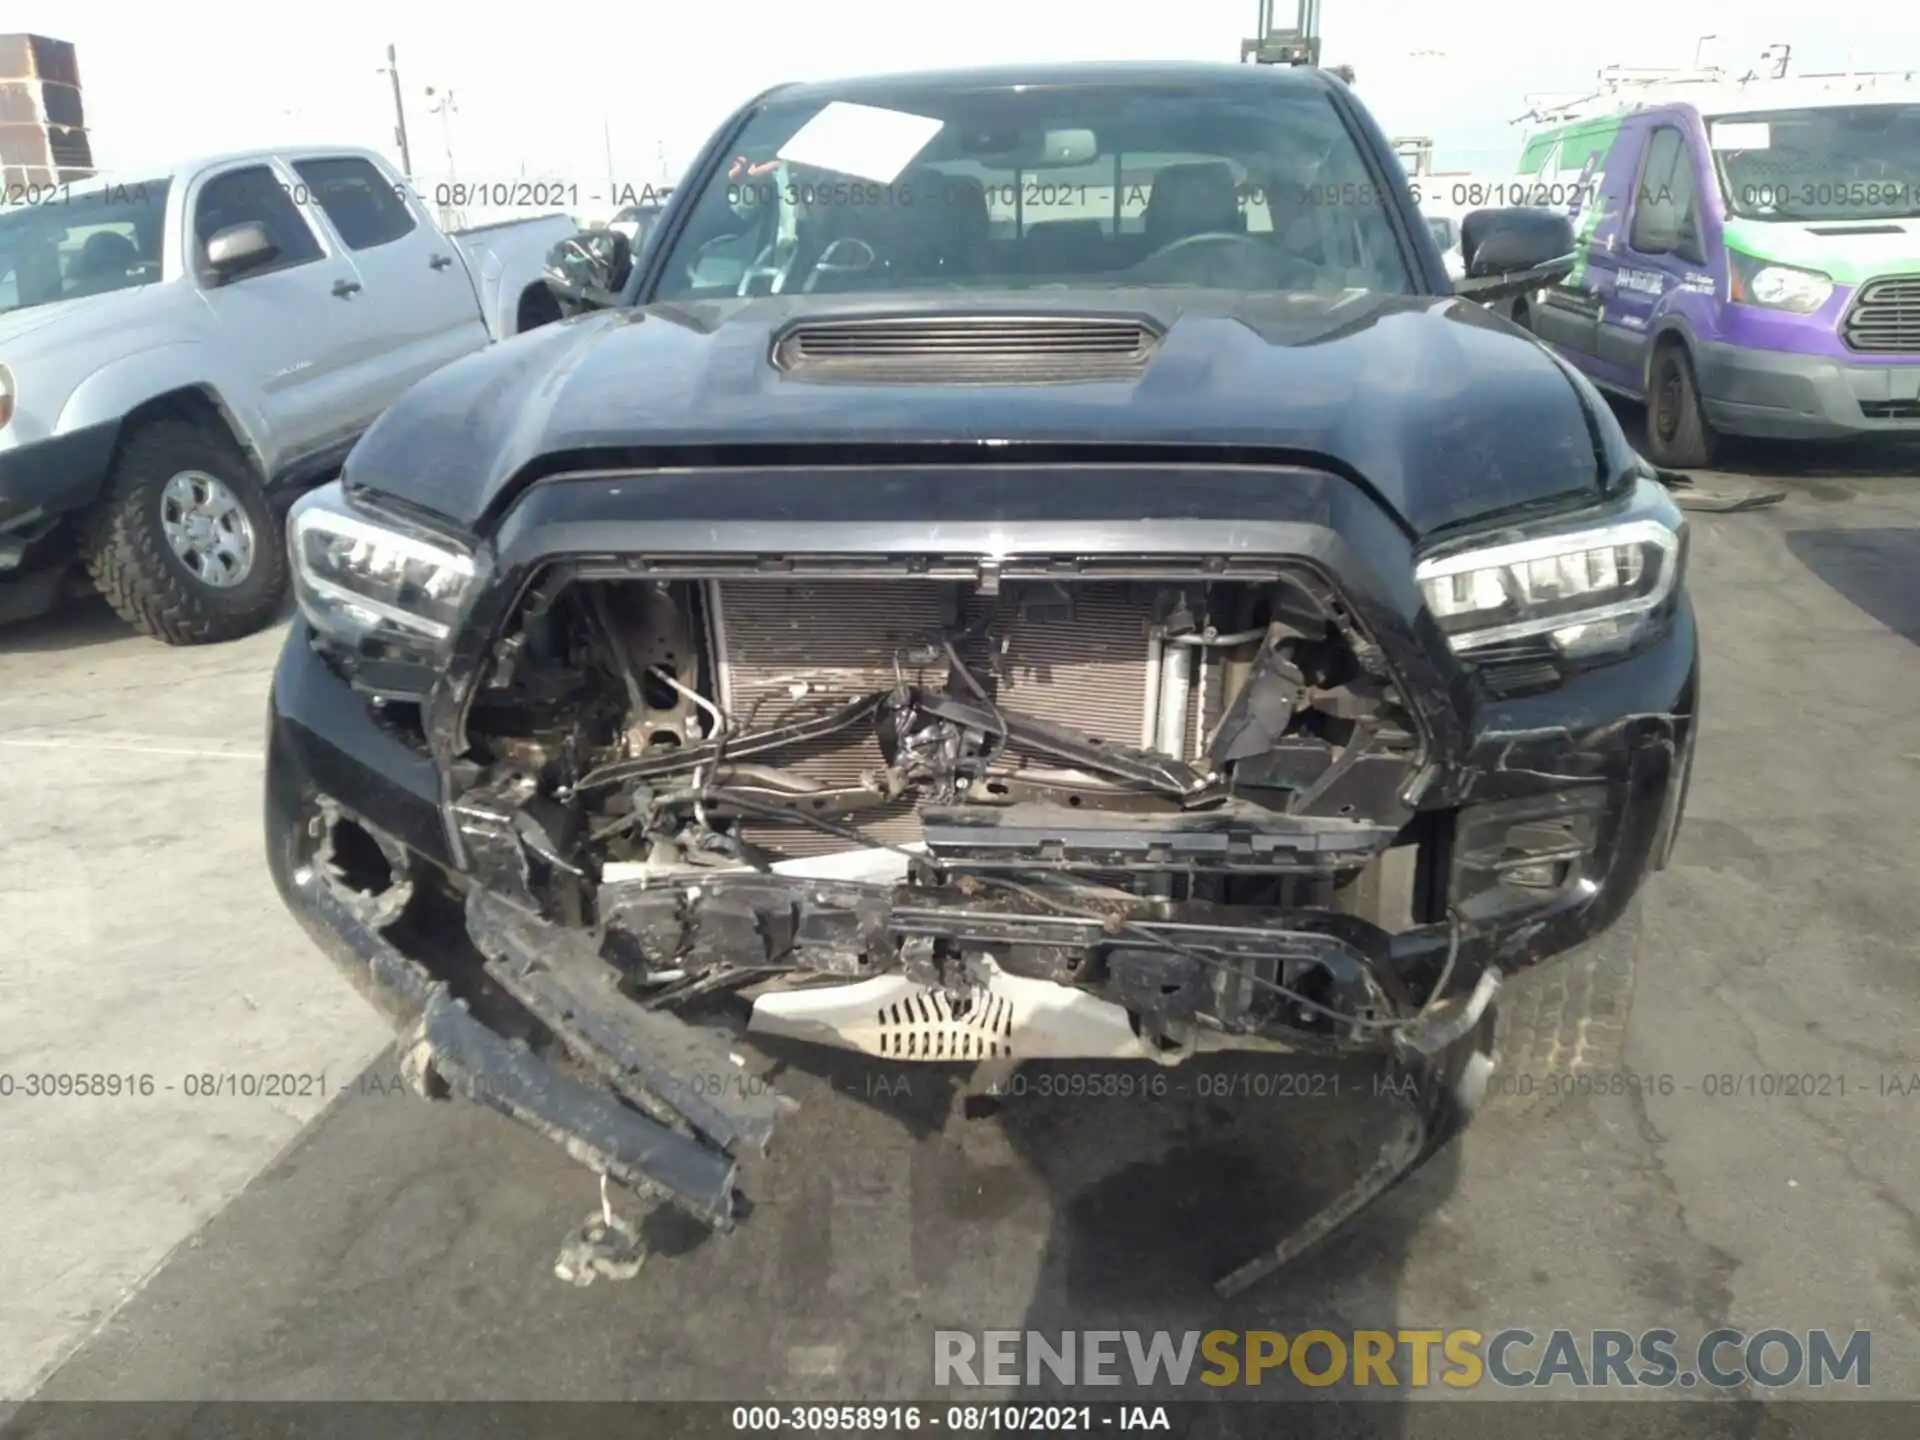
x: 352, y: 1242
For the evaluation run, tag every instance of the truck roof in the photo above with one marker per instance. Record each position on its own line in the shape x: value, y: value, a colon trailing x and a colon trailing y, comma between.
x: 156, y: 174
x: 1213, y: 73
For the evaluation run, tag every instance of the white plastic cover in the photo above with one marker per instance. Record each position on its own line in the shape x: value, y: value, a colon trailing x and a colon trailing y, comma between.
x: 1010, y: 1018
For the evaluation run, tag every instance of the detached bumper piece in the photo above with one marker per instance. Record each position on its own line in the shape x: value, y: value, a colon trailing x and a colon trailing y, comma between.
x: 664, y: 1155
x: 587, y: 1123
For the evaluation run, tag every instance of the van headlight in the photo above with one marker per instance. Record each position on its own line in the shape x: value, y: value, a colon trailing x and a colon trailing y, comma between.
x: 1588, y: 591
x: 1778, y: 287
x: 380, y: 592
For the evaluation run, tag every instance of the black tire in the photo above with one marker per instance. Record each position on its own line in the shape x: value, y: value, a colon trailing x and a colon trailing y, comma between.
x: 127, y: 553
x: 1565, y: 1020
x: 1520, y: 315
x: 1678, y: 435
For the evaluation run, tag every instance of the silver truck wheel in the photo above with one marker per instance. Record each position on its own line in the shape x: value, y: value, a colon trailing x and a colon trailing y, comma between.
x: 183, y: 544
x: 208, y: 528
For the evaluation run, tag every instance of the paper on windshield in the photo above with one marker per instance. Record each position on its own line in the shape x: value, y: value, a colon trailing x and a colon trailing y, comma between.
x: 1742, y: 135
x: 863, y: 141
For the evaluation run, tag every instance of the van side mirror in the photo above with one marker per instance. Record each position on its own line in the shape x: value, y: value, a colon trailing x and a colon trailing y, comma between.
x: 588, y: 270
x: 1657, y: 227
x: 1513, y: 252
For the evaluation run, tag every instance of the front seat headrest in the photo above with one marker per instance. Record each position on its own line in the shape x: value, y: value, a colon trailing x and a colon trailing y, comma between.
x: 105, y: 255
x: 1194, y: 198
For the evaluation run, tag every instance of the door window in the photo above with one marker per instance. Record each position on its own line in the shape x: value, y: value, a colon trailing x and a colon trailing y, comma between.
x: 358, y: 199
x: 254, y: 195
x: 1665, y: 212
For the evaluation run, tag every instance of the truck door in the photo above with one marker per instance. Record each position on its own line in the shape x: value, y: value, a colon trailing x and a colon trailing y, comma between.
x: 1662, y: 246
x: 421, y: 310
x: 288, y: 320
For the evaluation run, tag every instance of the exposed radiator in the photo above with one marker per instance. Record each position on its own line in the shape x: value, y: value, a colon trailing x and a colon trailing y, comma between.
x: 789, y: 649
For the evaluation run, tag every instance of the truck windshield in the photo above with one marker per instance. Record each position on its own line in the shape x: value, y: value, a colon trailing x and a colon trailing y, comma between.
x: 69, y: 243
x: 1845, y: 162
x: 1041, y: 187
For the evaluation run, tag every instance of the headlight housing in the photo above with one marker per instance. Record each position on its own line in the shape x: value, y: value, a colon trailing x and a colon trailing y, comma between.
x: 1588, y: 591
x: 380, y: 591
x: 1778, y: 287
x: 6, y: 396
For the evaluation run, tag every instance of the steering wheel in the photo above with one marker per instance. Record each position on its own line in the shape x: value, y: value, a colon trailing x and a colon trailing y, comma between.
x: 849, y: 255
x: 1216, y: 238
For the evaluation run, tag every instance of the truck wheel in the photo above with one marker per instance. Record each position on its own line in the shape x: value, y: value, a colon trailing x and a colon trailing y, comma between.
x: 1565, y: 1023
x: 1678, y: 434
x: 184, y: 545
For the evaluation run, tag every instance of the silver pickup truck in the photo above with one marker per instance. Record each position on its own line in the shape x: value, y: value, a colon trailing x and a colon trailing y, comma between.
x: 179, y: 350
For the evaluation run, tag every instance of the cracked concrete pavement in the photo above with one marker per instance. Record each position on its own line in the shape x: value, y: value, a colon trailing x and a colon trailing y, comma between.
x: 396, y: 1250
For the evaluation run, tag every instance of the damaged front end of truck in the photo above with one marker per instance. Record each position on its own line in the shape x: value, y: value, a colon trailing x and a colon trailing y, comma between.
x: 973, y: 805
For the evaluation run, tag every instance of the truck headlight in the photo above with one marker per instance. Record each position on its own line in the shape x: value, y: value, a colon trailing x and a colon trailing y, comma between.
x: 1588, y: 591
x: 1778, y: 287
x: 378, y: 588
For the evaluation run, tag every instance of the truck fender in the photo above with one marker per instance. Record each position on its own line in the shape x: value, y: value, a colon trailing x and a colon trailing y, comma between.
x: 189, y: 371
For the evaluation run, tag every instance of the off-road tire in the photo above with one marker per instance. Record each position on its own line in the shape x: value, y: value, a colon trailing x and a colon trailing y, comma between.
x: 1563, y: 1025
x: 1673, y: 392
x: 128, y: 556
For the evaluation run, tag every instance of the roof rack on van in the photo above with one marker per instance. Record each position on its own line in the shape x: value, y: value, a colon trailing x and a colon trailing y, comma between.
x: 1624, y: 89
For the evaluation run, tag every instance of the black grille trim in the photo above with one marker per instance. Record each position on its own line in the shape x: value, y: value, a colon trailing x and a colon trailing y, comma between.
x: 1884, y: 318
x: 967, y: 349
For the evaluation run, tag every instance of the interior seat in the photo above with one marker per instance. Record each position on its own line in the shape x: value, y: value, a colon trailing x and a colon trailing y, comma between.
x: 104, y: 261
x: 1194, y: 198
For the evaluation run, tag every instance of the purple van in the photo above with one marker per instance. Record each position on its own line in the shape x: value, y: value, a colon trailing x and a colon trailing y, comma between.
x: 1749, y: 263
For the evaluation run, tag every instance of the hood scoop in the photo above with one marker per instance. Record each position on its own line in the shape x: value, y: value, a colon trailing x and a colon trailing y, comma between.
x: 966, y: 349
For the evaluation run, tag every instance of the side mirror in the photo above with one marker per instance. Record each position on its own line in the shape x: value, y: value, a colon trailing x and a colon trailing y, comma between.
x: 1658, y: 224
x: 1513, y: 252
x: 588, y: 270
x: 238, y: 248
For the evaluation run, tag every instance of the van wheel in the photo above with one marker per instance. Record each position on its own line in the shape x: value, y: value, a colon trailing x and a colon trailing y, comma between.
x: 185, y: 546
x: 1678, y: 434
x: 1563, y: 1026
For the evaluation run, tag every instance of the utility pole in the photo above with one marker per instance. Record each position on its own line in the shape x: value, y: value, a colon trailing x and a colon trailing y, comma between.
x: 444, y: 108
x: 392, y: 70
x: 606, y: 137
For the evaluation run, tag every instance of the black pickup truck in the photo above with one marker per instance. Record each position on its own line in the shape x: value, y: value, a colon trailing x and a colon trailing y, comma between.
x: 1026, y: 565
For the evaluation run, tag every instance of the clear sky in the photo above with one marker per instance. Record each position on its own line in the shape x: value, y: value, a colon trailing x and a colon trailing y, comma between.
x: 166, y: 81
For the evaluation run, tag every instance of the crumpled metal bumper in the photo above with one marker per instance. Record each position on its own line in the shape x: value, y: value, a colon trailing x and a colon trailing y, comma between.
x: 445, y: 1048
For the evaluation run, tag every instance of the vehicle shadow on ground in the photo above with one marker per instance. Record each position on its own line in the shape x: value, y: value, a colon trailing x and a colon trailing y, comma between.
x: 1138, y: 1238
x: 1155, y: 1183
x: 74, y: 624
x: 86, y: 620
x: 1872, y: 568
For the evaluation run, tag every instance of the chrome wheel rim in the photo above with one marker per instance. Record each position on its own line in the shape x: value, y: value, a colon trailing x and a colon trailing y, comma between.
x: 208, y: 528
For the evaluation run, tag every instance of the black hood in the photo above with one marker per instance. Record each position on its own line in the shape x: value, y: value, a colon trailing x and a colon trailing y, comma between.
x: 1445, y: 412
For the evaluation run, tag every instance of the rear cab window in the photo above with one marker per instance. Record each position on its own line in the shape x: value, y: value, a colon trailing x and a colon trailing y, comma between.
x: 365, y: 208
